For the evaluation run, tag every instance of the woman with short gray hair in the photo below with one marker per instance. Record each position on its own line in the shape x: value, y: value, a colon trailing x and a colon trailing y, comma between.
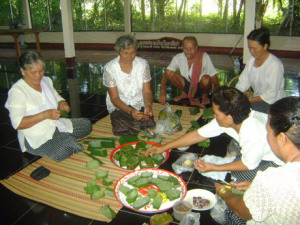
x: 125, y: 42
x: 129, y: 97
x: 36, y: 109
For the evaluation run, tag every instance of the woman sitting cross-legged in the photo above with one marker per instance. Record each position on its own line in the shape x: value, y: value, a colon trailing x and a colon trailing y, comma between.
x: 273, y: 197
x: 35, y: 112
x: 129, y: 97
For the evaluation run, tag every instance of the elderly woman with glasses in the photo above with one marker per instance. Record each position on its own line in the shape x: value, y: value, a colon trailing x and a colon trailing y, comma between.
x: 129, y: 98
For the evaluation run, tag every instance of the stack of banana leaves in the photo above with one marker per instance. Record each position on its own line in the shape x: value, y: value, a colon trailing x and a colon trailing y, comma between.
x: 97, y: 146
x: 131, y: 157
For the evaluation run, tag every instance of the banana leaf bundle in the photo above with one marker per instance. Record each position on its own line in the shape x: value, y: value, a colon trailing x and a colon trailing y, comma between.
x: 208, y: 114
x: 194, y: 110
x: 130, y: 157
x: 64, y: 114
x: 194, y: 126
x: 92, y: 139
x: 101, y: 144
x: 204, y: 144
x: 127, y: 139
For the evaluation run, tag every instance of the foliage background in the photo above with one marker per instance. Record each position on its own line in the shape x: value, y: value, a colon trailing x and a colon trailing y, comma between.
x: 282, y: 17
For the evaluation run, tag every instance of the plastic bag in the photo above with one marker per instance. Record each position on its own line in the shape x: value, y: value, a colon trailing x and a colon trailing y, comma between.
x: 190, y: 219
x: 218, y: 212
x: 217, y: 175
x: 168, y: 122
x: 233, y: 148
x: 185, y: 163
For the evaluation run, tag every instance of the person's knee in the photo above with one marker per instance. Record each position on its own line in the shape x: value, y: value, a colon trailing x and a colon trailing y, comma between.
x: 205, y: 81
x: 205, y: 84
x: 59, y: 158
x: 177, y: 80
x: 88, y: 126
x: 67, y: 151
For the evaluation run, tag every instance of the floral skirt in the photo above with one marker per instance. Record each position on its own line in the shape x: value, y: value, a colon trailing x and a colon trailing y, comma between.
x: 124, y: 124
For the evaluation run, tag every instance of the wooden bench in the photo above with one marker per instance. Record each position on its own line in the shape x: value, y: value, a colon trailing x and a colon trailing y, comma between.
x: 17, y: 32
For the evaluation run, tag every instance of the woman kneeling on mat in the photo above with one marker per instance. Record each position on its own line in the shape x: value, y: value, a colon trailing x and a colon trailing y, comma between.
x: 35, y: 110
x: 274, y: 195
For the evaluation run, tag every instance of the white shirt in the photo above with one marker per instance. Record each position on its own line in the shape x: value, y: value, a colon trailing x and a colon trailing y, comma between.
x: 130, y: 86
x: 252, y: 139
x: 180, y: 62
x: 267, y: 81
x: 274, y: 196
x: 23, y: 101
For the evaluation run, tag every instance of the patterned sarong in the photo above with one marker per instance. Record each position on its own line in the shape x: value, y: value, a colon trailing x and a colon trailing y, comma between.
x: 197, y: 69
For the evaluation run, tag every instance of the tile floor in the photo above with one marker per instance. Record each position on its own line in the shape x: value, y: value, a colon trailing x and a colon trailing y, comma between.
x: 90, y: 102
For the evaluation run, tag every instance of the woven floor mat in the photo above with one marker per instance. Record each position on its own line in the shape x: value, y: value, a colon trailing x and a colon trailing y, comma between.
x: 64, y: 187
x: 102, y: 128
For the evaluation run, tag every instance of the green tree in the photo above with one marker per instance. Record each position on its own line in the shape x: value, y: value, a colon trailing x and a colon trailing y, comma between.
x: 11, y: 13
x: 143, y: 13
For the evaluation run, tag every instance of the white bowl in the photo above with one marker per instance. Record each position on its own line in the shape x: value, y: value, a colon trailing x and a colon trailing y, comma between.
x: 183, y: 148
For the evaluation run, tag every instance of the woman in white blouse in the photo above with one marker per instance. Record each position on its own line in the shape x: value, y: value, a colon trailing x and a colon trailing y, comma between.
x: 264, y: 72
x: 129, y: 98
x: 274, y: 195
x: 35, y: 112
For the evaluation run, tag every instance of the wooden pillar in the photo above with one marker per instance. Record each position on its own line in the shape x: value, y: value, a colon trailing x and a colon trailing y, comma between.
x: 249, y: 26
x: 27, y: 15
x: 16, y: 39
x: 67, y: 25
x: 69, y: 46
x: 127, y: 14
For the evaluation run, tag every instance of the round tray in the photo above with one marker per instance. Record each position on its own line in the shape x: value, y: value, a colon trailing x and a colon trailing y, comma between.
x: 149, y: 209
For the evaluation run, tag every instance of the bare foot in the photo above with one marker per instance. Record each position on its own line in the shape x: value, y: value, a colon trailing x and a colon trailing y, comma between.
x: 180, y: 97
x: 202, y: 106
x: 205, y: 100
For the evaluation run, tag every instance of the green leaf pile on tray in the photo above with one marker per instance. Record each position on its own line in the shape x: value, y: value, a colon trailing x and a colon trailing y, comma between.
x: 168, y: 185
x: 194, y: 110
x: 154, y: 139
x: 108, y: 212
x: 131, y: 157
